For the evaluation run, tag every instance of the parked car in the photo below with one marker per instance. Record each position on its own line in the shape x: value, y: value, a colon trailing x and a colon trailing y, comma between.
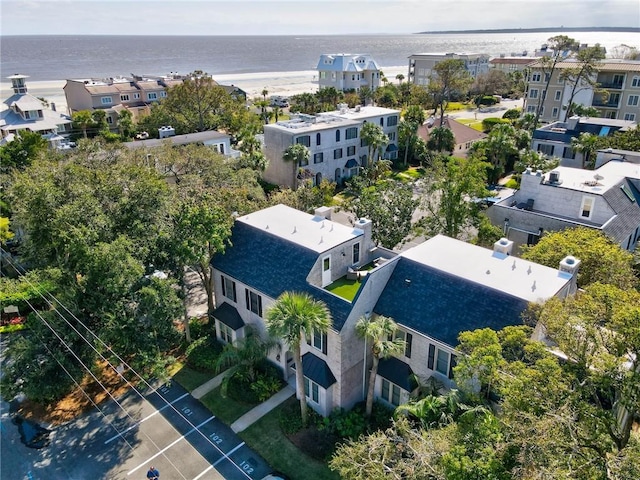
x: 277, y: 101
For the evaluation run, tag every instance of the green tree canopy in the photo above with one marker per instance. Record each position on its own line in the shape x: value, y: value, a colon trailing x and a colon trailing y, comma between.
x: 22, y: 151
x: 602, y: 260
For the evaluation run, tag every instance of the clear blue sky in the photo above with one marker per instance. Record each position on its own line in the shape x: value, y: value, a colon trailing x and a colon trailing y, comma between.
x: 298, y: 17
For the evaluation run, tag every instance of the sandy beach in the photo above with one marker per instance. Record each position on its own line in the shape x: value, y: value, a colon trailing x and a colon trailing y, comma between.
x: 277, y: 83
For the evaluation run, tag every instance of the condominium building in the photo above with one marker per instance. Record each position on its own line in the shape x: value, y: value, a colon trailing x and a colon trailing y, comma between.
x: 421, y: 65
x: 346, y: 71
x: 333, y: 138
x: 510, y: 64
x: 616, y: 96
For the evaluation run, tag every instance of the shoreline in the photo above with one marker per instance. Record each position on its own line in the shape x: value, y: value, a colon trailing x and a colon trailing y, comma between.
x: 277, y: 83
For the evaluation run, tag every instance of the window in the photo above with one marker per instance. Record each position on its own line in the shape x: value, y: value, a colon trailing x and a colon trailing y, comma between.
x: 390, y: 392
x: 254, y: 302
x: 392, y: 121
x: 442, y: 362
x: 635, y: 82
x: 382, y: 122
x: 318, y: 157
x: 558, y: 95
x: 586, y: 209
x: 136, y: 96
x: 531, y: 108
x: 319, y: 341
x: 318, y: 138
x: 633, y: 100
x: 311, y: 390
x: 351, y: 133
x: 226, y: 333
x: 152, y: 96
x: 568, y: 152
x: 356, y: 253
x: 554, y: 112
x: 337, y: 135
x: 326, y: 264
x: 163, y: 94
x: 351, y: 151
x: 304, y: 140
x: 106, y: 100
x: 536, y: 77
x: 228, y: 288
x: 109, y: 120
x: 630, y: 117
x: 533, y: 93
x: 407, y: 338
x: 124, y: 97
x: 337, y: 153
x: 546, y: 149
x: 392, y: 136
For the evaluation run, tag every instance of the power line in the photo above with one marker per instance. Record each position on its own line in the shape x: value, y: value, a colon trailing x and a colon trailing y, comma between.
x: 143, y: 380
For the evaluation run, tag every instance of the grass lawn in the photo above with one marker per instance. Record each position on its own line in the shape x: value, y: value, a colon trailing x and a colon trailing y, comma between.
x: 410, y: 174
x: 344, y: 288
x: 190, y: 378
x: 470, y: 122
x: 266, y: 438
x: 226, y: 409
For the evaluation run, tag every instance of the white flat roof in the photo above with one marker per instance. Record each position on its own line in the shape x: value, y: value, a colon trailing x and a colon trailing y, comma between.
x: 514, y: 276
x: 596, y: 182
x: 309, y: 231
x: 364, y: 113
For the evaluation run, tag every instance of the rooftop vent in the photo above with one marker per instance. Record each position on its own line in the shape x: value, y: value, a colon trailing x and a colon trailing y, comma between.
x: 503, y: 246
x: 554, y: 178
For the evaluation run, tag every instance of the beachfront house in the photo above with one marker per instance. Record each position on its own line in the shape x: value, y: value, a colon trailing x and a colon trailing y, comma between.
x: 23, y: 111
x: 136, y: 94
x: 333, y: 139
x: 554, y: 139
x: 346, y: 71
x: 421, y: 65
x: 617, y: 95
x: 605, y: 199
x: 433, y: 291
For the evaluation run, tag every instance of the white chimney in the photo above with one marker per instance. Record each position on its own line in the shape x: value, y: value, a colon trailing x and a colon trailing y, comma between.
x: 366, y: 226
x: 570, y: 265
x: 503, y: 246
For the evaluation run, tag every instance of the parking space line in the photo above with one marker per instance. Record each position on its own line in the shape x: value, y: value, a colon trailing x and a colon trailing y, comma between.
x: 226, y: 455
x: 210, y: 467
x: 171, y: 445
x: 146, y: 418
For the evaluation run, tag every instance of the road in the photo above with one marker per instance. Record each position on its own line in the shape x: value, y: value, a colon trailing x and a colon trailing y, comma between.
x: 167, y: 428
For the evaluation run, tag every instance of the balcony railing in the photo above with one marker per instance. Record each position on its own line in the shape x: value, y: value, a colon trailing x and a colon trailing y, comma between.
x: 607, y: 104
x: 611, y: 85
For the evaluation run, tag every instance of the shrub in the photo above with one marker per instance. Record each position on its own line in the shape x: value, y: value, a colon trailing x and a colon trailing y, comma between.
x: 265, y: 386
x: 199, y: 327
x: 512, y: 183
x: 512, y: 114
x: 486, y: 100
x: 202, y: 354
x: 14, y: 327
x: 345, y: 424
x: 489, y: 123
x: 242, y: 388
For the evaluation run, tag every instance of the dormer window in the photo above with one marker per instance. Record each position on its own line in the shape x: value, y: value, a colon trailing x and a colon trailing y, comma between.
x: 586, y: 209
x: 106, y: 101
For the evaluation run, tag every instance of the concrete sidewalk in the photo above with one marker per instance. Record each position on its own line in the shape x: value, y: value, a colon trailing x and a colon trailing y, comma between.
x: 258, y: 412
x: 206, y: 387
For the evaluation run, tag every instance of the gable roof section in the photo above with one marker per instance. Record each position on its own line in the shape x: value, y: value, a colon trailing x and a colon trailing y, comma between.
x: 396, y: 371
x: 273, y: 265
x: 627, y: 211
x: 442, y: 305
x: 461, y: 133
x: 229, y: 316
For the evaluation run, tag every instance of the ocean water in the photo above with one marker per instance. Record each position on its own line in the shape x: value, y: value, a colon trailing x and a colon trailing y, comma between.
x: 46, y: 58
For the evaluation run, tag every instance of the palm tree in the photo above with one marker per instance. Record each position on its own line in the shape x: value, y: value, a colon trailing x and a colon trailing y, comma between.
x: 82, y: 120
x: 586, y: 144
x: 277, y: 111
x: 298, y: 155
x: 245, y: 356
x: 293, y: 317
x: 264, y: 93
x: 406, y: 132
x: 400, y: 78
x: 377, y: 333
x: 441, y: 139
x: 374, y: 137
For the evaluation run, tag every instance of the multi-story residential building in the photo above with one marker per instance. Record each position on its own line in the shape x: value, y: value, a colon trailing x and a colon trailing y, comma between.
x: 510, y: 64
x: 23, y: 111
x: 617, y: 95
x: 555, y: 138
x: 136, y: 94
x: 333, y: 139
x: 433, y: 291
x: 220, y: 142
x: 346, y: 71
x: 421, y: 65
x: 605, y: 199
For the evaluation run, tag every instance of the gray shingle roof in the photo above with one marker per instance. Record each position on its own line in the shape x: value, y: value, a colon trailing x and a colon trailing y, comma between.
x: 228, y: 315
x: 317, y: 370
x: 441, y: 305
x: 272, y: 265
x: 627, y: 211
x: 396, y: 371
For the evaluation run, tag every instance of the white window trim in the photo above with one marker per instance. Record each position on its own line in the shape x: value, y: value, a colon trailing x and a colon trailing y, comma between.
x: 585, y: 201
x: 226, y: 332
x: 308, y: 385
x: 435, y: 361
x: 106, y: 100
x: 391, y: 387
x: 124, y: 97
x: 636, y: 98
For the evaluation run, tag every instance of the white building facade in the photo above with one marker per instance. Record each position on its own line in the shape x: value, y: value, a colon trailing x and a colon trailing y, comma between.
x: 346, y: 71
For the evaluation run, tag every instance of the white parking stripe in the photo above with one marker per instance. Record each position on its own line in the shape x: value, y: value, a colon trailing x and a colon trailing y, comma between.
x: 226, y: 455
x: 170, y: 445
x: 145, y: 418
